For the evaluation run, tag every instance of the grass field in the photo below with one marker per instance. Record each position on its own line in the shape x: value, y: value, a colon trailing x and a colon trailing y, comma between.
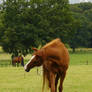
x: 15, y: 79
x: 78, y: 79
x: 81, y: 58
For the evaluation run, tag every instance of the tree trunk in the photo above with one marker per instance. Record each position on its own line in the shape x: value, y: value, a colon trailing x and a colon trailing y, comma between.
x: 73, y: 49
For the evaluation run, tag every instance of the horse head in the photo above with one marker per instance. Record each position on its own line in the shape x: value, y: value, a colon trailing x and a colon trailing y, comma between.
x: 36, y: 60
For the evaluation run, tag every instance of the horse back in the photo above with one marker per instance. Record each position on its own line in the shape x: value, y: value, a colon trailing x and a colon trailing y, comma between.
x: 57, y: 53
x: 16, y: 59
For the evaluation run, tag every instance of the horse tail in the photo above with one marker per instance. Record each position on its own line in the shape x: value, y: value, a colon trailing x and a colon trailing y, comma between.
x: 43, y: 86
x: 46, y: 80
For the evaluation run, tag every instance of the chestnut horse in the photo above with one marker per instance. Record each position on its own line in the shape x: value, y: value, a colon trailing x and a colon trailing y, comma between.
x: 54, y: 58
x: 17, y: 60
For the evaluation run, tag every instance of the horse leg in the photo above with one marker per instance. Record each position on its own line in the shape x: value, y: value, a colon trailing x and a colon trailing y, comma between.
x: 17, y: 64
x: 56, y: 82
x: 14, y: 63
x: 22, y: 63
x: 52, y: 81
x: 61, y: 81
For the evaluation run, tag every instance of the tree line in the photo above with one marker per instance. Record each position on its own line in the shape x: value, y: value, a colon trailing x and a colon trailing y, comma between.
x: 82, y: 36
x: 29, y: 23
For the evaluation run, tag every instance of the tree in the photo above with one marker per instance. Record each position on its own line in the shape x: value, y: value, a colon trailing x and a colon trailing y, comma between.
x: 1, y: 26
x: 13, y: 23
x: 81, y: 35
x: 90, y: 33
x: 29, y: 23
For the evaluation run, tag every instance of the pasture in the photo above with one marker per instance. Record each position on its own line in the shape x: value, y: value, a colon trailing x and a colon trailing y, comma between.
x: 15, y: 79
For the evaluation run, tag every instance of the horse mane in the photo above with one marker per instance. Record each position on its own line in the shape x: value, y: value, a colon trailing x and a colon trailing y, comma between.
x: 53, y: 43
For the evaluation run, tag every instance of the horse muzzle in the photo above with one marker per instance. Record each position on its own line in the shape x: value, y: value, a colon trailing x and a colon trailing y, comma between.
x: 26, y: 69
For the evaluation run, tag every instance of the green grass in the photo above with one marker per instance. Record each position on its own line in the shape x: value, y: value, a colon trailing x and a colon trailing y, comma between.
x: 81, y: 58
x: 78, y: 79
x: 17, y: 80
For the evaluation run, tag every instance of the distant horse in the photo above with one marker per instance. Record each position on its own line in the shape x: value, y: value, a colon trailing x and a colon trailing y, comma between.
x: 54, y: 58
x: 17, y: 60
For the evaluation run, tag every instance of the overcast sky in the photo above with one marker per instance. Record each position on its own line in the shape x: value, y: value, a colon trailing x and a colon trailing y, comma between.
x: 78, y: 1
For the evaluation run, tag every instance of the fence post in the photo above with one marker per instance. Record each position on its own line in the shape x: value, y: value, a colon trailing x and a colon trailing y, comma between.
x: 87, y: 62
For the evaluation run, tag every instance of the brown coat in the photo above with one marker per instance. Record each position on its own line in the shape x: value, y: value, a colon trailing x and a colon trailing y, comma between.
x: 54, y: 58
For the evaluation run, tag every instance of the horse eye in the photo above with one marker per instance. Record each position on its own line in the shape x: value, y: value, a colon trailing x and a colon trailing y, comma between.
x: 38, y: 57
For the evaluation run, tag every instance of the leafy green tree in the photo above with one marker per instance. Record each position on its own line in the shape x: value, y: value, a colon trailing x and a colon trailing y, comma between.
x: 90, y: 33
x: 58, y: 20
x: 1, y: 27
x: 81, y: 35
x: 88, y: 14
x: 12, y: 20
x: 85, y: 6
x: 29, y: 23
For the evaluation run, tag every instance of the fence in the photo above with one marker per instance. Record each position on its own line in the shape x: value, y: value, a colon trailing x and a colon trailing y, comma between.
x: 8, y: 63
x: 5, y: 63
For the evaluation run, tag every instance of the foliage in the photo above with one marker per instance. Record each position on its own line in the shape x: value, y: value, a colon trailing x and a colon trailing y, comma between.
x: 30, y: 23
x: 82, y: 19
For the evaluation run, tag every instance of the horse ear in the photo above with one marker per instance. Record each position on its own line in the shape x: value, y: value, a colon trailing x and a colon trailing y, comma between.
x: 35, y: 49
x: 41, y: 53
